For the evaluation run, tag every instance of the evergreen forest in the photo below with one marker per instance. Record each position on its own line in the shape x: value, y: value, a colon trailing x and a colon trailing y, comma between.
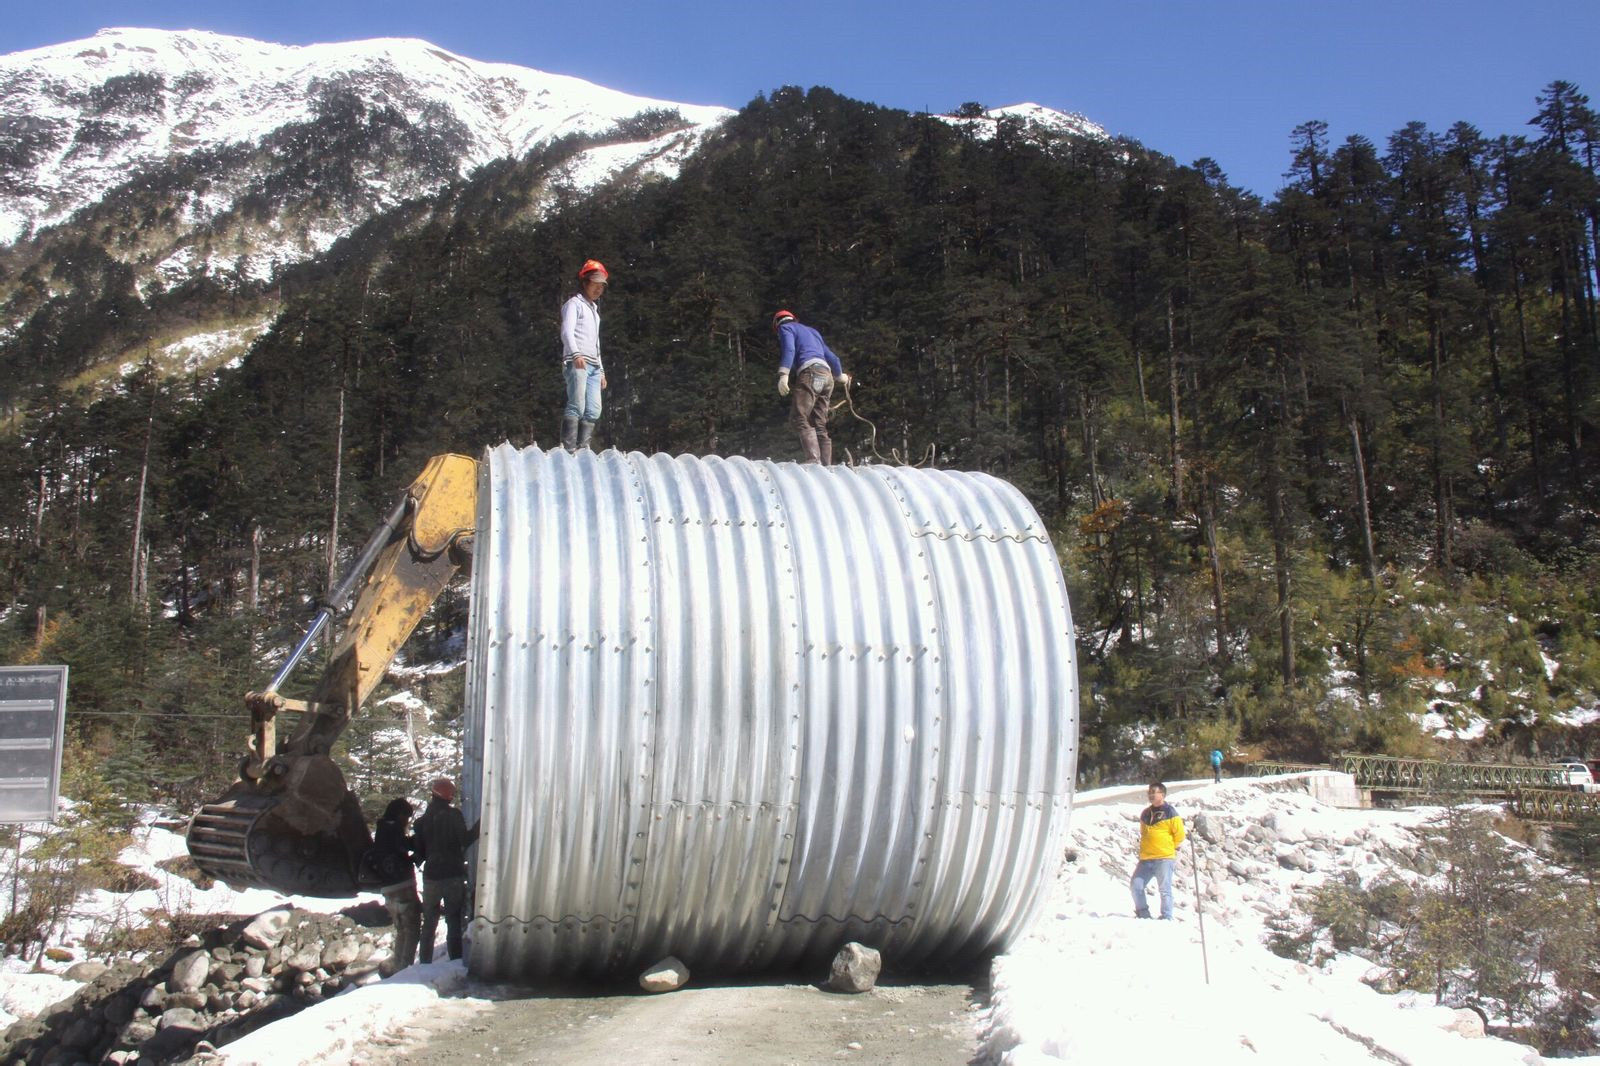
x: 1316, y: 468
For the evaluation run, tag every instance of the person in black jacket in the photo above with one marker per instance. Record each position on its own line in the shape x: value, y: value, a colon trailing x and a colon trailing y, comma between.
x: 389, y: 865
x: 442, y: 842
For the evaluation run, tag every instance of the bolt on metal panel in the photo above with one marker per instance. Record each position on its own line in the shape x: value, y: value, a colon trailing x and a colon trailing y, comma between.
x: 741, y: 711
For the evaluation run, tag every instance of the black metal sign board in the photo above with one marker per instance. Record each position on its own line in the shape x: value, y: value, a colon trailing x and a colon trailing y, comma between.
x: 33, y: 711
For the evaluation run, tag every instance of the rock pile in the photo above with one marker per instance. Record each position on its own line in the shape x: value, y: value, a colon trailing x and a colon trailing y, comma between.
x: 215, y: 989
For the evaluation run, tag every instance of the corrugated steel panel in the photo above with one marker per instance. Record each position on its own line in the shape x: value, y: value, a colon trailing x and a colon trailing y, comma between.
x: 742, y: 711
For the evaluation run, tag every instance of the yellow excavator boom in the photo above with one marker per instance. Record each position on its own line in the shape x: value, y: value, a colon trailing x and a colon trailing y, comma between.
x: 289, y: 823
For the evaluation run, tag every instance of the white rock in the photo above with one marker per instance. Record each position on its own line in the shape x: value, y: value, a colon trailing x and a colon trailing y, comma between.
x: 665, y: 976
x: 267, y: 928
x: 190, y: 972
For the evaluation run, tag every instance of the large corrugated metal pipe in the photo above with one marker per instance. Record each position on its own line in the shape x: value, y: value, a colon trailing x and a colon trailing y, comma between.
x: 743, y: 712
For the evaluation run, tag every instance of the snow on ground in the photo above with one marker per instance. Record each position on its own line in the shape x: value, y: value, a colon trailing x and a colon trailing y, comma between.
x: 1578, y: 717
x: 24, y: 991
x: 1089, y: 984
x: 336, y: 1029
x: 1093, y: 984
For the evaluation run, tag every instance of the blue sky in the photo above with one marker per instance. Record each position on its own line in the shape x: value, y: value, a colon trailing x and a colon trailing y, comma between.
x: 1226, y: 78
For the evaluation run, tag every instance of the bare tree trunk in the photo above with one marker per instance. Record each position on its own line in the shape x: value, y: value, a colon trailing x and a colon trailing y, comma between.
x: 1441, y: 501
x: 1535, y: 438
x: 1280, y: 566
x: 136, y: 590
x: 255, y: 569
x: 38, y: 511
x: 1363, y: 510
x: 338, y: 472
x: 1173, y: 422
x: 1208, y: 524
x: 1090, y: 447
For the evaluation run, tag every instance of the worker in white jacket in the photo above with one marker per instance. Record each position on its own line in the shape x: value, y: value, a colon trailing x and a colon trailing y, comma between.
x: 580, y: 356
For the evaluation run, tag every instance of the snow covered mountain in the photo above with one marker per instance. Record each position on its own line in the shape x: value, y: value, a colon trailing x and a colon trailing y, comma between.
x: 1070, y: 123
x: 153, y: 183
x: 270, y: 153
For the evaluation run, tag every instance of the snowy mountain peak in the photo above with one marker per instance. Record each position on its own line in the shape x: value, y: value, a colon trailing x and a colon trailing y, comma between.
x: 81, y: 118
x: 1063, y: 122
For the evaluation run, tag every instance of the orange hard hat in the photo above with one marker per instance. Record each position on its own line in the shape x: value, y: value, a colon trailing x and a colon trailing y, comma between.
x: 593, y: 268
x: 445, y: 789
x: 780, y: 317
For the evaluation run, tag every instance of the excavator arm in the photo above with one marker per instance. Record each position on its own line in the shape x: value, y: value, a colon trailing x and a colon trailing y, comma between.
x: 289, y: 823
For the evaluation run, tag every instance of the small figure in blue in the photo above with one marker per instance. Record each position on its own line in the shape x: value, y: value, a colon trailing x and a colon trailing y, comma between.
x: 1216, y: 766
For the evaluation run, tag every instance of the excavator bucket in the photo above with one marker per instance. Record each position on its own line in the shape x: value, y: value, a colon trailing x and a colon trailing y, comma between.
x: 289, y: 823
x: 298, y: 831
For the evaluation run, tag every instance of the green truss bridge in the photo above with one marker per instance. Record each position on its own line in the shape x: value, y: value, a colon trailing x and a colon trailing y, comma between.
x: 1538, y: 793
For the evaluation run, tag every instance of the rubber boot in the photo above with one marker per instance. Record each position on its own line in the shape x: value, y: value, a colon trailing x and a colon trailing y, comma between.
x: 809, y: 443
x: 569, y: 433
x: 585, y: 431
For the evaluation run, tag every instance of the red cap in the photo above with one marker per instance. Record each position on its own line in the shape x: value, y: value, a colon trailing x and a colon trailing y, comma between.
x: 593, y: 268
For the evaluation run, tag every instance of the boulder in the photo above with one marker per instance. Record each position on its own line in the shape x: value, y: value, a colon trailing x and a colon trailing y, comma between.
x: 1295, y: 859
x: 190, y: 972
x: 304, y: 960
x: 339, y: 953
x: 86, y: 970
x: 81, y: 1033
x: 1262, y: 834
x: 181, y: 1018
x: 855, y: 968
x: 665, y: 976
x: 136, y: 1032
x: 1206, y: 827
x: 119, y: 1009
x: 255, y: 966
x: 1466, y: 1022
x: 267, y: 928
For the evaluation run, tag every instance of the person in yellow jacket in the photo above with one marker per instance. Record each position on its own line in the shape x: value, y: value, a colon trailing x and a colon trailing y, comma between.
x: 1160, y: 833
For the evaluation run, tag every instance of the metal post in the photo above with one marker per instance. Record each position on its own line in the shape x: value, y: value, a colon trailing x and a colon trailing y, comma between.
x: 1199, y: 912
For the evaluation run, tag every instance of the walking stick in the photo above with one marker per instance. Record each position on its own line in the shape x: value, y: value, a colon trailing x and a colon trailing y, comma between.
x: 1199, y: 912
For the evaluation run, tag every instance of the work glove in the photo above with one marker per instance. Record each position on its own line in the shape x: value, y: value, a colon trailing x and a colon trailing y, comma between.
x: 843, y: 381
x: 783, y: 383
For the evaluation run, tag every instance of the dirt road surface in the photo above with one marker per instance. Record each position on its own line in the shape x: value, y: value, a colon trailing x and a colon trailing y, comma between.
x: 761, y: 1023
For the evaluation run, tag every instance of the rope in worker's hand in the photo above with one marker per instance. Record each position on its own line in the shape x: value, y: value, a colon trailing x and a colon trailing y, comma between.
x: 872, y: 440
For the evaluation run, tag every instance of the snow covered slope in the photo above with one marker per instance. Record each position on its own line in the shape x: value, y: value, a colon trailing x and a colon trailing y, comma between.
x: 1070, y: 123
x: 83, y: 119
x: 1093, y: 984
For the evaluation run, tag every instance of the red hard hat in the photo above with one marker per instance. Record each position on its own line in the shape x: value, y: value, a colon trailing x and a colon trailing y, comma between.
x: 445, y: 789
x: 780, y: 317
x: 595, y: 268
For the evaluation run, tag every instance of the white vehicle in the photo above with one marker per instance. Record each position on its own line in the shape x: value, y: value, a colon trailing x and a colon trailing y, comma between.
x: 1578, y: 775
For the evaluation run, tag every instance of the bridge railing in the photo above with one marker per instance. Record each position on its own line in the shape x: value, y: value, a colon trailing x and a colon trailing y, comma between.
x: 1388, y: 773
x: 1551, y: 805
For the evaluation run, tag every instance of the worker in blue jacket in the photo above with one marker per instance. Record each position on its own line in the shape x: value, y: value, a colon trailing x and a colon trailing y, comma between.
x: 816, y: 369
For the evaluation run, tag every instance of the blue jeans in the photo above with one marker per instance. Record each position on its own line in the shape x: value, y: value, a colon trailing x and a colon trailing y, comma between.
x: 583, y: 391
x: 1160, y: 871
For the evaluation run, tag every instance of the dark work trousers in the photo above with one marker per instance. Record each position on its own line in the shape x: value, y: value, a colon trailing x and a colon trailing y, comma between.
x: 451, y: 896
x: 405, y: 911
x: 812, y: 392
